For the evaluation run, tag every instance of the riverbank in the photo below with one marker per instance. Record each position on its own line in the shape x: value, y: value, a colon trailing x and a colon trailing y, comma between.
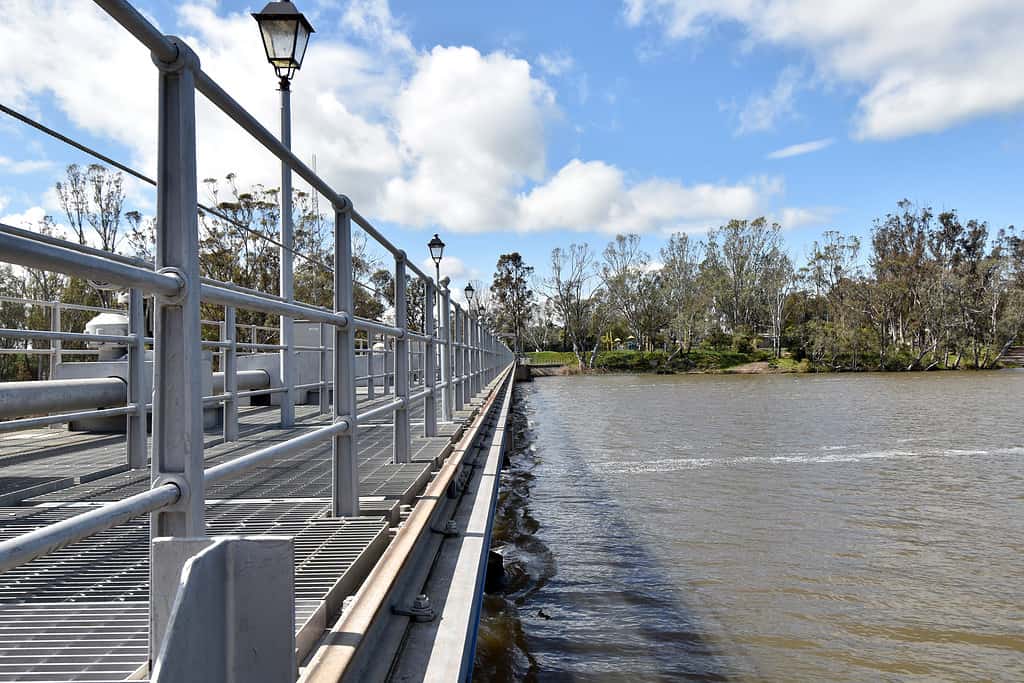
x: 713, y: 361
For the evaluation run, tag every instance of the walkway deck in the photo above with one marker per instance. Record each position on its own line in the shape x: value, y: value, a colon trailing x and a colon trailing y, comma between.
x: 81, y: 613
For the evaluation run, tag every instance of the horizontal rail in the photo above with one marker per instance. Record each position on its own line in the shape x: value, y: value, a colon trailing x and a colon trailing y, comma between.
x: 374, y: 326
x: 230, y: 468
x: 27, y: 547
x: 68, y: 336
x: 231, y: 297
x: 73, y: 261
x: 66, y: 306
x: 380, y: 410
x: 33, y: 422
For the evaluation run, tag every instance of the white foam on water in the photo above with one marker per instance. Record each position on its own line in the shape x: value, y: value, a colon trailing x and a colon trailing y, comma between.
x: 833, y: 455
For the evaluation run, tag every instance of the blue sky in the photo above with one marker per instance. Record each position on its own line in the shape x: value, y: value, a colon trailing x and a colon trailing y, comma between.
x: 528, y: 125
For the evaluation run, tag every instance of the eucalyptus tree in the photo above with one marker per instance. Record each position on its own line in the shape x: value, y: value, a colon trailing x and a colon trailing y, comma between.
x: 569, y: 288
x: 512, y: 296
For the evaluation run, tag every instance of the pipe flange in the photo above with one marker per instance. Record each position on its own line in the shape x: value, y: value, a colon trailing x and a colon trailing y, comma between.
x: 347, y: 420
x: 179, y: 298
x: 401, y: 256
x: 184, y: 491
x: 185, y: 57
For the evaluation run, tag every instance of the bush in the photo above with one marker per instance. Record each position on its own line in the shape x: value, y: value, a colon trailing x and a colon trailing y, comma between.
x: 741, y: 343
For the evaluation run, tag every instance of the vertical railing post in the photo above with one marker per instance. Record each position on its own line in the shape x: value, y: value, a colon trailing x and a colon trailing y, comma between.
x: 387, y: 364
x: 230, y: 369
x: 55, y: 345
x: 371, y: 384
x: 448, y: 390
x: 325, y: 389
x: 402, y: 435
x: 177, y: 396
x: 459, y: 358
x: 477, y: 358
x: 429, y: 362
x: 135, y: 429
x: 345, y: 489
x: 467, y: 395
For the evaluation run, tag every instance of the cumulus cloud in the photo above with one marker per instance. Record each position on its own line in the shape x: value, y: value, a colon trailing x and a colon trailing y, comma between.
x: 450, y: 137
x: 472, y: 130
x: 596, y: 196
x: 925, y: 66
x: 801, y: 148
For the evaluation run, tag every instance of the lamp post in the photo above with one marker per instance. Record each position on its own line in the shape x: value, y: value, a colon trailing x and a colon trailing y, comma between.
x: 436, y: 247
x: 285, y: 32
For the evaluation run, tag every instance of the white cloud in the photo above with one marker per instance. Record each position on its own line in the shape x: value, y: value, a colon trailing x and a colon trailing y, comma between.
x: 801, y: 148
x: 472, y: 130
x: 763, y: 111
x: 802, y: 217
x: 448, y: 137
x: 372, y: 20
x: 595, y: 196
x: 925, y: 66
x: 19, y: 167
x: 555, y: 64
x: 29, y: 218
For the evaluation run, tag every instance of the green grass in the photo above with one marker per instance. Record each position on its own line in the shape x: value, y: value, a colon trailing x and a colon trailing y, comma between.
x: 551, y: 357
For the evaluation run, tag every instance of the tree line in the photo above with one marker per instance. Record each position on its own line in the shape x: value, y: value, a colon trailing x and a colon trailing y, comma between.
x: 928, y: 290
x: 236, y: 244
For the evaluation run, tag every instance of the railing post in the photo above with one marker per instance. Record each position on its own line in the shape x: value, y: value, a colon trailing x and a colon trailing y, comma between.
x: 55, y: 345
x: 371, y: 384
x: 477, y: 358
x: 345, y: 489
x: 230, y: 369
x: 325, y: 389
x: 177, y: 396
x: 429, y: 362
x: 387, y: 363
x: 467, y: 395
x: 401, y: 432
x: 448, y: 390
x: 460, y: 358
x: 135, y: 430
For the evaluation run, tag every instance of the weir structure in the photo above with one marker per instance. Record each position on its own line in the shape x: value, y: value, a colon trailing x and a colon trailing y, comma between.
x: 238, y: 542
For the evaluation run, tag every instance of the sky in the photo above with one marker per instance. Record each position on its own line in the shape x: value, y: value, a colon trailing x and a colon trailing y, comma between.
x: 522, y: 126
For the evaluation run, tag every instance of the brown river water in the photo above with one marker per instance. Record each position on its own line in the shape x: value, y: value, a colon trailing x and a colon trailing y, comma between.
x: 762, y: 528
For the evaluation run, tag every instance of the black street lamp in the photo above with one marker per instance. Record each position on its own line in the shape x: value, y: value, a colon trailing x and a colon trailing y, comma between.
x: 469, y: 296
x: 436, y: 247
x: 285, y: 34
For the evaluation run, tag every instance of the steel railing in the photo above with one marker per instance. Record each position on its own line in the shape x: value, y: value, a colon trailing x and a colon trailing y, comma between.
x: 458, y: 356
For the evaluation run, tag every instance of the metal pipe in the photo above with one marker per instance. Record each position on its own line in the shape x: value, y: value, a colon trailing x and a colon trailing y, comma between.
x: 34, y: 422
x: 377, y: 411
x: 123, y: 13
x: 374, y: 326
x: 245, y: 380
x: 22, y: 399
x: 16, y: 551
x: 246, y: 462
x: 230, y: 297
x: 37, y: 254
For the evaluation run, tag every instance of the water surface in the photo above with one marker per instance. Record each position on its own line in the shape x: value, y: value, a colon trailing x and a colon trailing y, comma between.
x: 779, y: 528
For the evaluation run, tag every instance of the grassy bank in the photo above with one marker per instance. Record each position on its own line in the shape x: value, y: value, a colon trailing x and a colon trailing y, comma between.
x: 698, y: 360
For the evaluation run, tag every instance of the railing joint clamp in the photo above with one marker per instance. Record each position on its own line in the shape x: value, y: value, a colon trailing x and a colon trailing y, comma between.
x: 184, y: 492
x: 179, y: 298
x: 420, y: 610
x: 183, y: 58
